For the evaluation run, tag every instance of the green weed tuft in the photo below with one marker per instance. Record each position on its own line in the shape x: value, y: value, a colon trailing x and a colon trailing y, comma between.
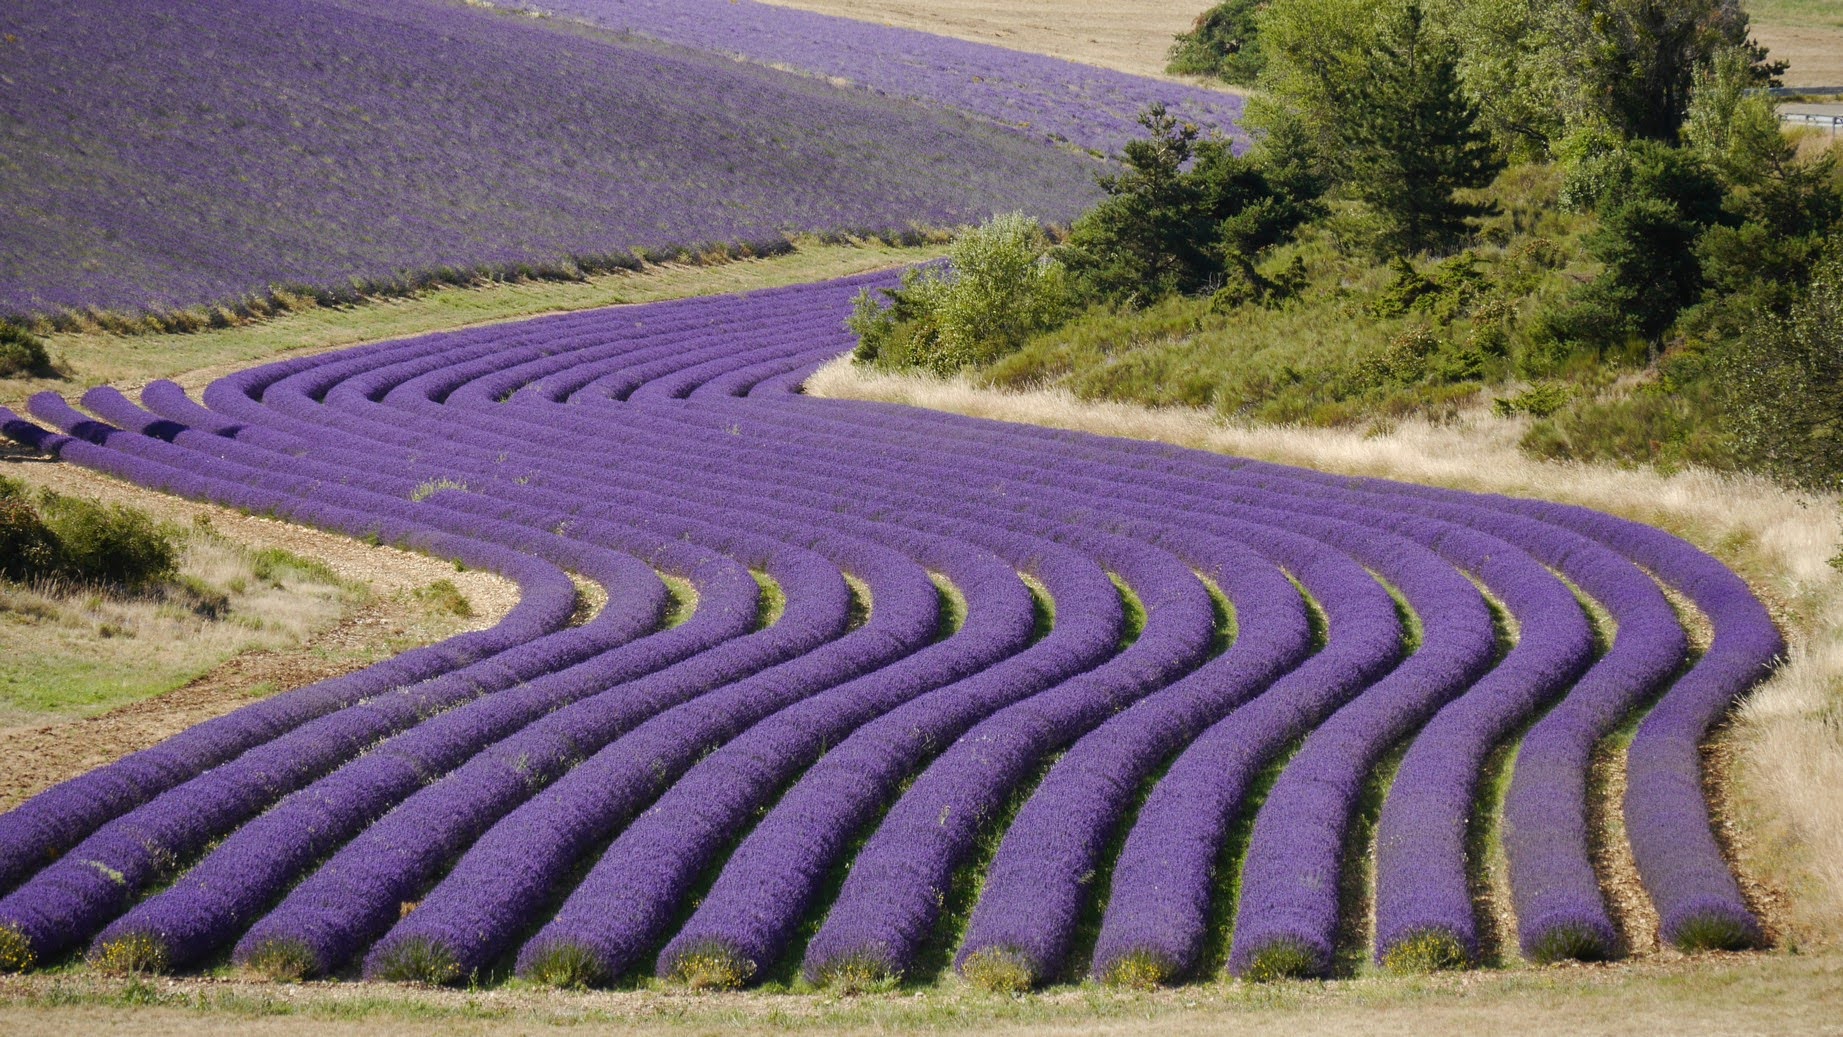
x: 283, y: 961
x: 999, y: 970
x: 1284, y: 959
x: 1713, y: 931
x: 1569, y: 943
x: 569, y: 966
x: 444, y: 597
x: 1140, y: 970
x: 1431, y: 950
x: 132, y: 954
x: 16, y: 954
x: 419, y: 960
x: 711, y: 966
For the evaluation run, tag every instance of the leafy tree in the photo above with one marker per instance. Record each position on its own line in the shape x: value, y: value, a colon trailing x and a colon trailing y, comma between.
x: 1787, y: 380
x: 1224, y: 42
x: 1647, y: 54
x: 1412, y: 136
x: 1184, y: 210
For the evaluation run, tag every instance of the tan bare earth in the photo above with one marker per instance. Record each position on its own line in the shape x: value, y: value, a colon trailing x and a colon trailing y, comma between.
x: 1135, y: 36
x: 1126, y: 35
x: 1816, y: 52
x: 39, y: 757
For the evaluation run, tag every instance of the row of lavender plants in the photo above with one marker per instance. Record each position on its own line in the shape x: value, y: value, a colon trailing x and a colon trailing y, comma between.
x: 856, y: 791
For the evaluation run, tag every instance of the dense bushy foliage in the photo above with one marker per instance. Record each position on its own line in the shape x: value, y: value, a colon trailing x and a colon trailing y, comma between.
x: 21, y: 352
x: 72, y: 540
x: 1787, y: 377
x: 1000, y: 287
x: 1225, y: 43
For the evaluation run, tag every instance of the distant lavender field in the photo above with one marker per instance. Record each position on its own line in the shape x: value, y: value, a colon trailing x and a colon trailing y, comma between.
x: 159, y: 154
x: 1092, y: 108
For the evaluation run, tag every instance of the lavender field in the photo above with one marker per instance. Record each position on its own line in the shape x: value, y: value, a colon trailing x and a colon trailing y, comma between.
x: 1092, y: 108
x: 1008, y: 704
x: 159, y: 155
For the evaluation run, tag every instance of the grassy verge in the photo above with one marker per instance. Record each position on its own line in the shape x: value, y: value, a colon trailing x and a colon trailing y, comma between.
x: 67, y: 653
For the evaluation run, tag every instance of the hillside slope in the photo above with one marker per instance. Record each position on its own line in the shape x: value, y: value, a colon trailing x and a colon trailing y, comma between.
x: 159, y: 154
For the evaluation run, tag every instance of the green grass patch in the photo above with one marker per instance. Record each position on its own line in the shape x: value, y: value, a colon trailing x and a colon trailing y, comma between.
x: 1043, y: 606
x: 681, y: 601
x: 1226, y: 627
x: 1132, y: 613
x: 772, y: 603
x: 858, y: 609
x: 952, y: 607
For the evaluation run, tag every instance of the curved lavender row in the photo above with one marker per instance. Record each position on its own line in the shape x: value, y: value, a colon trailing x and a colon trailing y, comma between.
x: 1036, y: 887
x: 355, y: 897
x: 1699, y: 902
x: 493, y: 892
x: 1290, y: 880
x: 1423, y: 890
x: 217, y: 898
x: 771, y: 881
x: 173, y: 825
x: 619, y: 912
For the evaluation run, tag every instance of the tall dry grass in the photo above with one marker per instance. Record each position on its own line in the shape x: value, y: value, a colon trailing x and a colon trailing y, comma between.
x: 1785, y: 797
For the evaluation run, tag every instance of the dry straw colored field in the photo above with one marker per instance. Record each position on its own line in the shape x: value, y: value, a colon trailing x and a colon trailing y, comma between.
x: 1132, y: 35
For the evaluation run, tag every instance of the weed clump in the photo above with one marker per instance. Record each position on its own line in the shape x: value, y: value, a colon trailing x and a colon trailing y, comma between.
x: 712, y: 967
x: 1432, y: 950
x: 16, y: 954
x: 418, y: 961
x: 999, y: 971
x: 569, y: 966
x: 79, y: 541
x: 1140, y: 970
x: 1283, y: 959
x: 132, y: 954
x: 856, y: 974
x: 21, y: 352
x: 283, y: 961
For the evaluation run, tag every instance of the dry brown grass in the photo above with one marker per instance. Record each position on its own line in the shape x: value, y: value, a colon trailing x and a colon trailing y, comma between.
x: 1127, y: 35
x: 1716, y: 994
x: 1786, y: 739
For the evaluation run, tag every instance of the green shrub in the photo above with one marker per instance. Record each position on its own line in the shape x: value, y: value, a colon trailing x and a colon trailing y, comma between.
x: 1433, y: 950
x: 1000, y: 288
x: 1224, y: 42
x: 1786, y: 383
x: 108, y: 544
x: 66, y: 538
x: 21, y: 352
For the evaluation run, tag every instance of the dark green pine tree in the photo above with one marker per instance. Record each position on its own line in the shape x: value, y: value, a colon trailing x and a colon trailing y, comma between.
x: 1412, y: 137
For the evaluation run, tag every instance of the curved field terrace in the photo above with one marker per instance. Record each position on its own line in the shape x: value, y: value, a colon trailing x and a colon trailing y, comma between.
x: 875, y: 690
